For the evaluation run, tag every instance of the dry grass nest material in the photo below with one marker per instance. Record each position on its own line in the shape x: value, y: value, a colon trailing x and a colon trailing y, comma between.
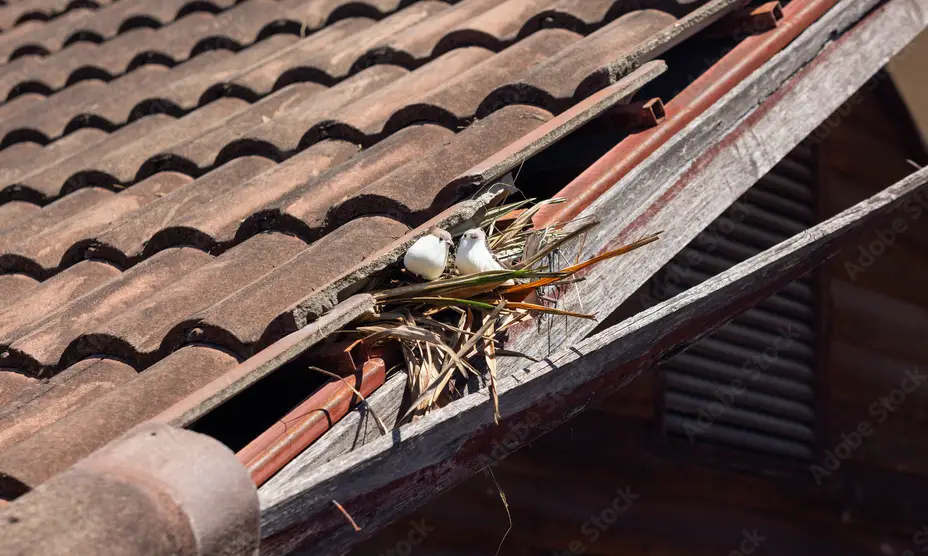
x: 451, y: 330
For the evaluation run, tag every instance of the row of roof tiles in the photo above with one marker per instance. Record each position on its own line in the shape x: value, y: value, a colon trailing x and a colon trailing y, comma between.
x: 87, y: 24
x: 21, y: 13
x: 409, y: 38
x: 143, y: 258
x: 493, y: 25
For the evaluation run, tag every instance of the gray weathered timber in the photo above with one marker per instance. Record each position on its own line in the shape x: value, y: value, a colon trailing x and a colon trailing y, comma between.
x: 392, y: 475
x: 681, y: 190
x: 355, y: 429
x: 707, y: 166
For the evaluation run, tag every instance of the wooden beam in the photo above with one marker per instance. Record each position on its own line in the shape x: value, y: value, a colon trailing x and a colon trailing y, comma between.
x: 739, y: 140
x: 393, y: 475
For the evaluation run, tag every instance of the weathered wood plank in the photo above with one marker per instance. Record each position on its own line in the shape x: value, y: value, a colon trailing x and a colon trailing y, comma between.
x: 641, y: 192
x: 670, y: 168
x: 681, y: 191
x: 391, y: 475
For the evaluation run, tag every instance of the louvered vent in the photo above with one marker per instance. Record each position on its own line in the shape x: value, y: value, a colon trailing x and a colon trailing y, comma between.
x: 750, y: 385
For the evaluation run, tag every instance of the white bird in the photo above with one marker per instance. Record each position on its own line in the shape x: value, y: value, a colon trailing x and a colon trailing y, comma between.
x: 474, y: 256
x: 428, y: 256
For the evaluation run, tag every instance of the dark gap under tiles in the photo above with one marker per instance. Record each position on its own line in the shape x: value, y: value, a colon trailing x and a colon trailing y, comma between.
x: 243, y: 418
x: 547, y: 173
x: 685, y: 63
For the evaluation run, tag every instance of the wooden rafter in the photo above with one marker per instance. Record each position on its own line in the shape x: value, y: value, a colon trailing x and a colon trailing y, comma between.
x: 705, y: 181
x: 395, y: 474
x: 378, y: 482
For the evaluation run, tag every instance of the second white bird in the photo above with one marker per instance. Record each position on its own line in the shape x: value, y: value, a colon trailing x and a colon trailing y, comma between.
x: 474, y: 256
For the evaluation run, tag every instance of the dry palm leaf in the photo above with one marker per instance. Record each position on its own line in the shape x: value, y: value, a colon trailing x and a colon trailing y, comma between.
x: 578, y: 267
x: 438, y: 385
x: 519, y: 224
x: 416, y: 334
x: 489, y: 350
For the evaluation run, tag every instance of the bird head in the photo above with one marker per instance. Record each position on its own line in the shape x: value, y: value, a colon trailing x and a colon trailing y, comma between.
x: 475, y: 235
x: 443, y: 235
x: 472, y: 239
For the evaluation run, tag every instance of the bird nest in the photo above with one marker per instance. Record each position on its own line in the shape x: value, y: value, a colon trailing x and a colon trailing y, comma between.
x: 451, y: 329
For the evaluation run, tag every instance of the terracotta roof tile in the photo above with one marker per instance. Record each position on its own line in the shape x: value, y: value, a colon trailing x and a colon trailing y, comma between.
x: 13, y: 383
x: 41, y: 156
x: 73, y: 107
x: 12, y: 287
x: 175, y: 192
x: 107, y: 166
x: 304, y: 209
x: 182, y: 87
x: 95, y: 25
x: 52, y: 214
x: 60, y: 244
x: 45, y: 298
x: 94, y: 148
x: 19, y: 13
x: 240, y: 211
x: 20, y: 104
x: 83, y: 430
x: 241, y: 25
x: 16, y: 211
x: 103, y: 301
x: 85, y: 381
x: 153, y: 324
x: 241, y: 321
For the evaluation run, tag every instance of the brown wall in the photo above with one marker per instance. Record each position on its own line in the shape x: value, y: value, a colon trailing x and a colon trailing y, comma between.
x: 562, y: 490
x: 877, y: 290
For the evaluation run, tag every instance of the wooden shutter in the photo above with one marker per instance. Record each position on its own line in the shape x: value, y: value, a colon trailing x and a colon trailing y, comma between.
x: 769, y: 348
